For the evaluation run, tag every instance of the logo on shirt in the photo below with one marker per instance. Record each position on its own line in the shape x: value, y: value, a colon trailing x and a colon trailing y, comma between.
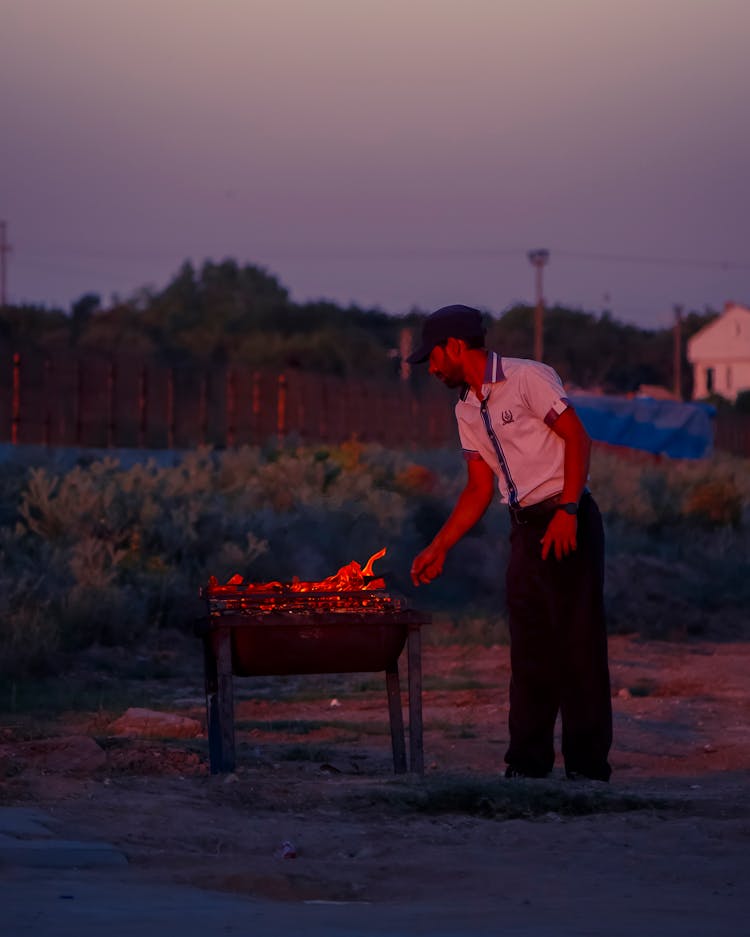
x: 507, y: 416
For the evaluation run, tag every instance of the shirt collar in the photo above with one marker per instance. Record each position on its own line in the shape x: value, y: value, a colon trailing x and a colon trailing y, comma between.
x: 493, y: 372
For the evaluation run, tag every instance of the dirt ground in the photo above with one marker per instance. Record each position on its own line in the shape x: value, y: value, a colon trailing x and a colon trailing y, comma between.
x: 669, y: 836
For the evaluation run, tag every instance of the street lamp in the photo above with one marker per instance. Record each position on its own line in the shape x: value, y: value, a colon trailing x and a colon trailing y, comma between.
x: 538, y: 259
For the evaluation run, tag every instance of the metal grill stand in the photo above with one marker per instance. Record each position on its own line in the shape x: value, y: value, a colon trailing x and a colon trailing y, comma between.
x: 242, y: 641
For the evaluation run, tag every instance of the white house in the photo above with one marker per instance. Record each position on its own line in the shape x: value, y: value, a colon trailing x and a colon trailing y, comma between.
x: 720, y: 354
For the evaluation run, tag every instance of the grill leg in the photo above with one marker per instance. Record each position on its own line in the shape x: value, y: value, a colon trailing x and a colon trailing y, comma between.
x: 397, y: 719
x: 212, y: 721
x: 220, y: 702
x: 414, y: 652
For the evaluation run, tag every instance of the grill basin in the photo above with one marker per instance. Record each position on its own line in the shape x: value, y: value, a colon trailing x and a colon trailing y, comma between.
x: 281, y: 632
x: 302, y: 648
x: 306, y: 633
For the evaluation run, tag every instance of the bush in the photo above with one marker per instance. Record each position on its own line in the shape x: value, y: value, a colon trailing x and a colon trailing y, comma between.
x: 100, y: 552
x: 714, y: 502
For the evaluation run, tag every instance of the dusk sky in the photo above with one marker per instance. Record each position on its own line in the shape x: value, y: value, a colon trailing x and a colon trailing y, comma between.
x: 391, y: 153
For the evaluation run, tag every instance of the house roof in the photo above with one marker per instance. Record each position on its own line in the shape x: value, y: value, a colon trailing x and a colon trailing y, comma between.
x: 725, y: 339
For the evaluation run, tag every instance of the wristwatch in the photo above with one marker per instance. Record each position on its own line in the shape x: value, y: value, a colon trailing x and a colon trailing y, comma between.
x: 570, y: 507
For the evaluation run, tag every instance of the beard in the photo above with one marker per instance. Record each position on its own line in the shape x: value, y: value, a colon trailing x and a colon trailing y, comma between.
x: 451, y: 378
x: 452, y: 382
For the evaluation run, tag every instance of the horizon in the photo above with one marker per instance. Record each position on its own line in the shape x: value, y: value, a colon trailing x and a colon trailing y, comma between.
x: 390, y: 155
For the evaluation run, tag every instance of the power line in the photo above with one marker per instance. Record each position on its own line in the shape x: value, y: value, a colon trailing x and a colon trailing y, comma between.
x: 655, y: 261
x: 407, y: 253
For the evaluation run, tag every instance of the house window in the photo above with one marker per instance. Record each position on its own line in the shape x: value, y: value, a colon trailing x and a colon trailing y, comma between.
x: 709, y: 380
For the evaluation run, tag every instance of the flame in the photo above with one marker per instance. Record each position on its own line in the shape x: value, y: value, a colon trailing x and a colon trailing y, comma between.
x: 367, y: 571
x: 349, y: 578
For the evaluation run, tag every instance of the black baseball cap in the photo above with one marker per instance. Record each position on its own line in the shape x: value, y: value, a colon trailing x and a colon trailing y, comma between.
x: 449, y: 322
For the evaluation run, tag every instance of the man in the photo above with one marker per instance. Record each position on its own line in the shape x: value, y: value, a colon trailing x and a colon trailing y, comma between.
x: 517, y: 427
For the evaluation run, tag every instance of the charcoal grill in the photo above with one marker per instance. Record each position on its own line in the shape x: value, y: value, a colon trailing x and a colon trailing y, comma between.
x: 279, y: 630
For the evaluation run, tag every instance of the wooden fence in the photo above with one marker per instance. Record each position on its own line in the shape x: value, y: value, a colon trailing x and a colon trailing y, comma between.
x: 732, y: 434
x: 123, y: 401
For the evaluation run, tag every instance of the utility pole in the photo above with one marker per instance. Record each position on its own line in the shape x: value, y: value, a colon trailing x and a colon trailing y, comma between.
x: 677, y: 353
x: 538, y: 259
x: 4, y: 251
x: 405, y: 348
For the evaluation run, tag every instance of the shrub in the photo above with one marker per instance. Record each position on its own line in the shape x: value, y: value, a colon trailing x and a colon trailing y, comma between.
x: 714, y: 502
x: 101, y: 552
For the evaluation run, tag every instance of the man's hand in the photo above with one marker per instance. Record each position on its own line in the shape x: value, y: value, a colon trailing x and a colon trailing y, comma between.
x: 560, y: 535
x: 471, y: 505
x: 428, y: 565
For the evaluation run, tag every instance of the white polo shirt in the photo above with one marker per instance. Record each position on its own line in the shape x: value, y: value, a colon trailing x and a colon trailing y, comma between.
x: 510, y: 428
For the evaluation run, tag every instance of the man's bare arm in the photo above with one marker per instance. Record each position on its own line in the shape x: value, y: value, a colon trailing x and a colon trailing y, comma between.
x: 471, y: 505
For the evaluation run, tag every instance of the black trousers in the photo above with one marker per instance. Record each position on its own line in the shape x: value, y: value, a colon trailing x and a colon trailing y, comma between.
x: 559, y: 650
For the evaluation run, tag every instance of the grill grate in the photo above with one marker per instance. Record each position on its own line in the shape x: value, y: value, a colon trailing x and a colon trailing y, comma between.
x: 297, y: 603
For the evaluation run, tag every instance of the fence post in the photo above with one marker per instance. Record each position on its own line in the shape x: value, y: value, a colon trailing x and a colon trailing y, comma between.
x: 323, y: 420
x: 281, y: 408
x: 231, y: 404
x: 170, y: 409
x: 46, y: 389
x: 15, y: 410
x: 203, y: 409
x: 255, y: 404
x: 79, y: 404
x: 142, y: 406
x: 300, y: 409
x: 111, y: 402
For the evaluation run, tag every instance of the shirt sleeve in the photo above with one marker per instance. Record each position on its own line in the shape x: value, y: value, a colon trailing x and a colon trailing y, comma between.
x: 543, y: 393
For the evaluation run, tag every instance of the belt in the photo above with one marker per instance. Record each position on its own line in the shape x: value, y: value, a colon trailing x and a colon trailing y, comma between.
x: 534, y: 512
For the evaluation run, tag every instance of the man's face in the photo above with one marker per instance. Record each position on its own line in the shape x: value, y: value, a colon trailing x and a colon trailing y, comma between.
x: 446, y: 363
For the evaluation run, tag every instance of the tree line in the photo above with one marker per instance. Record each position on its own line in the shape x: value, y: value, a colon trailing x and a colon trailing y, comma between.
x: 225, y: 312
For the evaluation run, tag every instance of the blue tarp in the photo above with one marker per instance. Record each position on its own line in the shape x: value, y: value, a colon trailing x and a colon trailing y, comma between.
x: 664, y: 427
